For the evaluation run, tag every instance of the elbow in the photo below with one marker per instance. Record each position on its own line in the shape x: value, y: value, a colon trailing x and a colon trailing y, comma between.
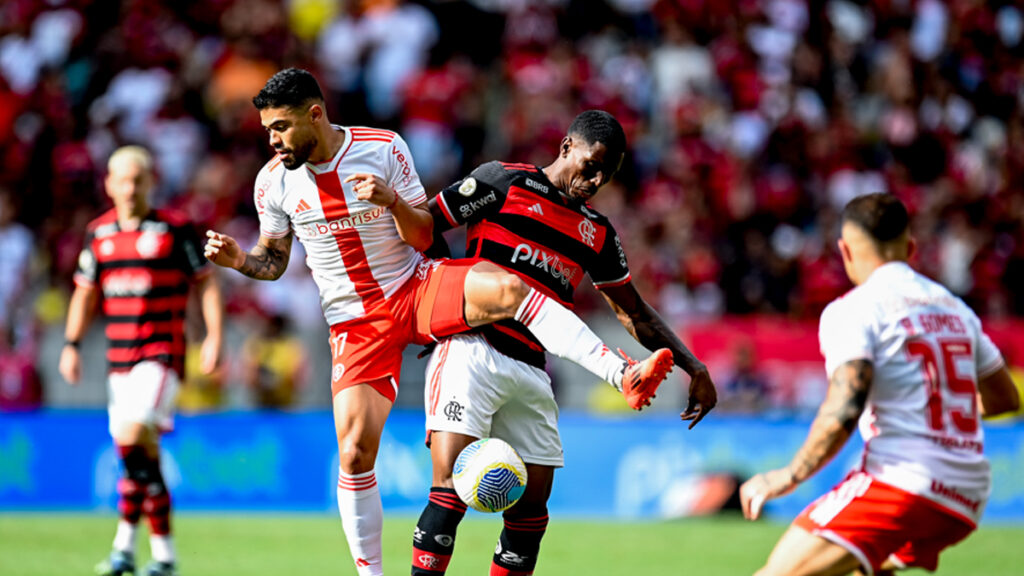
x: 1010, y: 405
x: 422, y: 243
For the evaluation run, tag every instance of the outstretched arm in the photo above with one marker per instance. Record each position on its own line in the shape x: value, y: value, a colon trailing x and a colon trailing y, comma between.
x: 644, y: 323
x: 836, y: 419
x: 267, y: 260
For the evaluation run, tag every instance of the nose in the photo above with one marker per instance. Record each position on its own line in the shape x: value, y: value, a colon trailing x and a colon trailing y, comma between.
x: 275, y: 139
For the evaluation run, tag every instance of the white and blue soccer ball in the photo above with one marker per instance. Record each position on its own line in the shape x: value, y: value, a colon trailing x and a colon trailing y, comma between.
x: 489, y: 475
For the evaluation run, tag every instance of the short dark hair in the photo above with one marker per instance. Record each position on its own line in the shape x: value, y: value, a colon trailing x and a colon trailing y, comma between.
x: 289, y: 88
x: 599, y: 126
x: 883, y: 216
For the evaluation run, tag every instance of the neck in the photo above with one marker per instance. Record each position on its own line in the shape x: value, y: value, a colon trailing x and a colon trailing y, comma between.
x: 554, y: 173
x: 868, y: 267
x: 329, y: 145
x: 130, y: 221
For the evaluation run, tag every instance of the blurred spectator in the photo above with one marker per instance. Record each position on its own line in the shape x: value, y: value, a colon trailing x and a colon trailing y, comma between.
x: 273, y: 364
x: 201, y: 392
x: 15, y: 256
x: 750, y: 123
x: 20, y: 386
x: 746, y: 391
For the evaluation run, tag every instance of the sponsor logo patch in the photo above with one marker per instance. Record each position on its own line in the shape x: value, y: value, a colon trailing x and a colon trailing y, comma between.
x: 467, y: 210
x: 549, y: 263
x: 468, y: 187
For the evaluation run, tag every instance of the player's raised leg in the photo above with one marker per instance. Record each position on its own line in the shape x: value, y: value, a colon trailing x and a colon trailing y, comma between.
x: 433, y: 541
x: 493, y: 294
x: 525, y: 524
x: 359, y: 415
x: 800, y: 553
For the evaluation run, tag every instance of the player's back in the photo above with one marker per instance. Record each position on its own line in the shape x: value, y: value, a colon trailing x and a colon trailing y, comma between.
x: 921, y: 425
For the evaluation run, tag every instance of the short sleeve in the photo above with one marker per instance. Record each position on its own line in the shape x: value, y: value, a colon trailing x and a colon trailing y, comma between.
x: 401, y: 173
x: 476, y: 196
x: 274, y: 222
x: 845, y: 334
x: 611, y: 269
x: 87, y: 271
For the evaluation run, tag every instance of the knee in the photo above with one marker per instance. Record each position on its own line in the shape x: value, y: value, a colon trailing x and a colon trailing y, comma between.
x: 511, y: 293
x: 354, y: 456
x: 528, y: 508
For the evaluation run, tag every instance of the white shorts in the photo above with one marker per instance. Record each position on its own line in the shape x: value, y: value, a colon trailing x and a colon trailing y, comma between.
x: 475, y: 390
x: 146, y: 394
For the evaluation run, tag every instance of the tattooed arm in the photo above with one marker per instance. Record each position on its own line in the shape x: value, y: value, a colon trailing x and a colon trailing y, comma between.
x: 267, y: 260
x: 836, y: 419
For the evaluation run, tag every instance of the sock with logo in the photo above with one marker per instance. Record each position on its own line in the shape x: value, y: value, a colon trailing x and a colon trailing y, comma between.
x: 518, y: 545
x: 433, y: 541
x: 362, y: 517
x: 563, y: 334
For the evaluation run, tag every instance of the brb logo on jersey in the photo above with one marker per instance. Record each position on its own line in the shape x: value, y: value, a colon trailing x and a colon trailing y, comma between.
x: 587, y: 232
x: 549, y: 263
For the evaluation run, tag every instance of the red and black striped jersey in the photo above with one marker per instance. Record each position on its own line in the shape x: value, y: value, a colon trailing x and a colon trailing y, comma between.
x: 519, y: 220
x: 144, y: 278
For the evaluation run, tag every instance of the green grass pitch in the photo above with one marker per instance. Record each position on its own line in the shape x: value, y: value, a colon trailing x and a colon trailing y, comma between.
x: 292, y: 545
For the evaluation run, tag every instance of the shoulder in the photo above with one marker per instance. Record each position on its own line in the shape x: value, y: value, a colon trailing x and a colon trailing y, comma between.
x: 587, y: 210
x: 270, y: 177
x: 518, y: 167
x: 273, y: 165
x: 849, y: 306
x: 368, y: 135
x: 105, y: 219
x: 499, y: 174
x: 173, y: 218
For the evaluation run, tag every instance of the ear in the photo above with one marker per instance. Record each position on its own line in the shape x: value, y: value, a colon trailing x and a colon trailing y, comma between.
x: 911, y: 247
x: 566, y: 146
x: 844, y: 250
x: 315, y: 112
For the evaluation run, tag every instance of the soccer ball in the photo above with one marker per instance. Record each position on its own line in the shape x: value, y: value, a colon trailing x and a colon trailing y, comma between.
x: 489, y: 475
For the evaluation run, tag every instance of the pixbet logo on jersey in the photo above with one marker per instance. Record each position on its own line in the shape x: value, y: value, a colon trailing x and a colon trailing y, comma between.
x: 549, y: 263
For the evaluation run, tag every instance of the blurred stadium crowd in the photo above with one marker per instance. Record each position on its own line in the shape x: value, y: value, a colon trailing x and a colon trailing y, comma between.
x: 751, y: 123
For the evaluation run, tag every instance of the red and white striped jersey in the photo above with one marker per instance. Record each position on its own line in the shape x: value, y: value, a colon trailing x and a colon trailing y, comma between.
x: 921, y: 427
x: 144, y: 277
x: 352, y: 246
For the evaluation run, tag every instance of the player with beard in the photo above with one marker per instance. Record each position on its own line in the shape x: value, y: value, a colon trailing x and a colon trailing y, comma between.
x: 537, y: 223
x: 351, y: 195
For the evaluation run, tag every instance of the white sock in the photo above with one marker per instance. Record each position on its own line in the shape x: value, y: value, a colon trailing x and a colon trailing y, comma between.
x: 124, y: 538
x: 362, y: 517
x: 161, y: 546
x: 566, y: 336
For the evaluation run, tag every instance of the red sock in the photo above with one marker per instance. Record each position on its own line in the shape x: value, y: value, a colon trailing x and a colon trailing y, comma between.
x: 130, y: 491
